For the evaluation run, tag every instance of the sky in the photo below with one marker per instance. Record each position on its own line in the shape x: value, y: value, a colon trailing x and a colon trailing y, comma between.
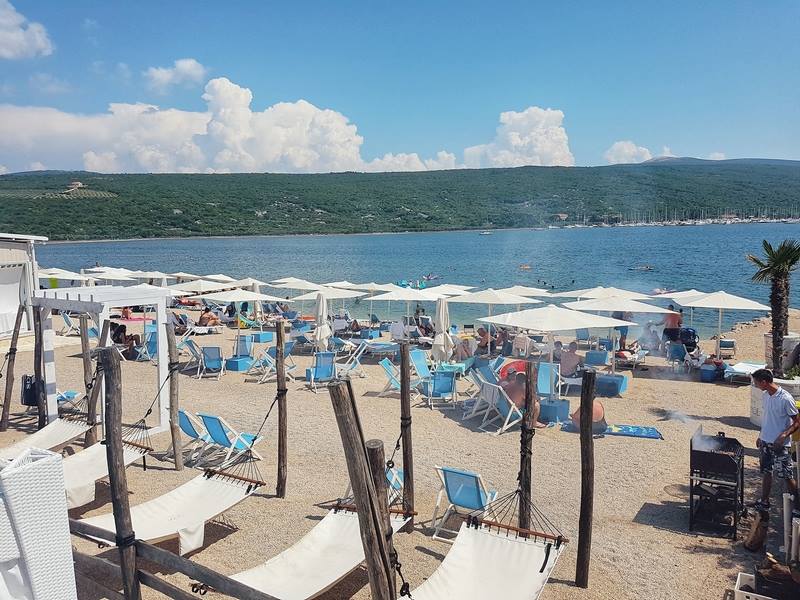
x: 334, y: 86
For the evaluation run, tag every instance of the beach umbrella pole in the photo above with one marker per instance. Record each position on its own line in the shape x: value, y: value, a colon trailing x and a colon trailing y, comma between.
x: 719, y: 331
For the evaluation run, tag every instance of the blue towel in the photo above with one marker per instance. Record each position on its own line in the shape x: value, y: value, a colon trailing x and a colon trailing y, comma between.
x: 640, y: 431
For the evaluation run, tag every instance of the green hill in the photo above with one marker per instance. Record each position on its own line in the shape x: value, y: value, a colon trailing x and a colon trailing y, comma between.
x: 115, y: 206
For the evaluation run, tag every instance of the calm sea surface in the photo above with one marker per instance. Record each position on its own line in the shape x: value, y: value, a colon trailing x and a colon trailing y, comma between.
x: 707, y: 258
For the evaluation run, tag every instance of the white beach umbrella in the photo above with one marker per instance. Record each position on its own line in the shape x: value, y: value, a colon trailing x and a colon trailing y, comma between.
x: 447, y: 290
x: 148, y: 276
x: 524, y: 290
x: 171, y: 291
x: 330, y: 294
x: 219, y: 277
x: 493, y: 297
x: 112, y: 276
x: 63, y: 275
x: 684, y: 295
x: 463, y: 288
x: 322, y: 333
x: 182, y: 276
x: 200, y: 286
x: 348, y: 285
x: 373, y: 287
x: 443, y: 345
x: 249, y: 283
x: 409, y: 295
x: 551, y: 319
x: 239, y: 295
x: 297, y: 284
x: 722, y: 301
x: 601, y: 292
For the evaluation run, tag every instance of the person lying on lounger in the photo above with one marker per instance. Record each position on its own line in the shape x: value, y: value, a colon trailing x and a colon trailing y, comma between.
x: 599, y: 424
x: 119, y: 335
x: 208, y: 319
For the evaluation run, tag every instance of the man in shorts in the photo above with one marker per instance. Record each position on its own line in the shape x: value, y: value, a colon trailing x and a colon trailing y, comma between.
x: 780, y: 419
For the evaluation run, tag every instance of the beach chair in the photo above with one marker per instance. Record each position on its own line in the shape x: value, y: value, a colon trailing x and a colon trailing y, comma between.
x: 212, y: 362
x: 481, y: 402
x: 148, y: 350
x: 394, y: 485
x: 199, y: 440
x: 267, y: 368
x: 727, y: 348
x: 548, y: 380
x: 69, y: 325
x: 352, y: 363
x: 598, y: 359
x: 582, y: 336
x: 465, y: 492
x: 419, y: 362
x: 676, y: 354
x: 243, y: 346
x: 322, y: 371
x: 487, y: 373
x: 227, y: 438
x: 497, y: 363
x: 636, y: 359
x: 194, y: 352
x: 393, y: 379
x: 250, y: 323
x: 741, y: 371
x: 502, y: 409
x: 441, y: 386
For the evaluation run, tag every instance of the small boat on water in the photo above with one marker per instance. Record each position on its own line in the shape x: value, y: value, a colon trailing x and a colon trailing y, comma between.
x: 641, y: 268
x: 485, y: 233
x: 525, y: 267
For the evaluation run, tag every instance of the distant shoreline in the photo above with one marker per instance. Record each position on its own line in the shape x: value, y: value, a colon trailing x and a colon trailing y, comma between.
x: 476, y: 230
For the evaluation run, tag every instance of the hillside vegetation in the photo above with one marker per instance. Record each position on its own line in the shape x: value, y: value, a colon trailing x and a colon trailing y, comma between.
x: 115, y: 206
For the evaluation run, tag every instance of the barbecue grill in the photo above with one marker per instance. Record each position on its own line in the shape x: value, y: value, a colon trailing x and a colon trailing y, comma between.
x: 716, y: 481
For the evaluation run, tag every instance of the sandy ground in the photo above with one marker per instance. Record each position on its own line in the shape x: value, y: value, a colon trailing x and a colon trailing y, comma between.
x: 641, y: 544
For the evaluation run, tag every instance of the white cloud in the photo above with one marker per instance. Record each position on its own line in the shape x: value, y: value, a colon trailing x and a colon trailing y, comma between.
x: 717, y: 156
x: 48, y: 84
x: 20, y: 38
x: 535, y: 136
x: 37, y: 166
x: 625, y: 152
x: 3, y: 169
x: 184, y: 71
x: 89, y: 24
x: 666, y: 151
x: 229, y: 136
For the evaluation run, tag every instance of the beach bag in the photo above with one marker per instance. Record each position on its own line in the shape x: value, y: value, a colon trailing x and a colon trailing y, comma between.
x: 30, y: 391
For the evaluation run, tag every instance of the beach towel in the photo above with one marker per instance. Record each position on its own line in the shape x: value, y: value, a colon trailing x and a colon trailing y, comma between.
x: 640, y: 431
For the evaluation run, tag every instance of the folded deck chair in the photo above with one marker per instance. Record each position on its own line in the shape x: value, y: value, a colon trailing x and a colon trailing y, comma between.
x: 322, y: 371
x: 69, y: 325
x: 182, y: 512
x: 485, y: 563
x: 330, y: 551
x: 466, y: 493
x: 227, y: 438
x: 83, y: 469
x: 352, y: 362
x: 52, y: 435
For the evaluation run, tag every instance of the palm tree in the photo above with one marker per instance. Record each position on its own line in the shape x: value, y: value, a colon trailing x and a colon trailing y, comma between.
x: 776, y: 267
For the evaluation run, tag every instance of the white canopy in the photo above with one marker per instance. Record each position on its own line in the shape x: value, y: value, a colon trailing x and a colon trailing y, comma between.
x: 148, y: 275
x: 721, y: 301
x: 330, y: 294
x: 407, y: 294
x: 171, y: 291
x: 373, y: 287
x: 63, y: 275
x: 323, y: 331
x: 248, y: 282
x: 113, y: 275
x: 114, y: 270
x: 219, y: 277
x: 341, y: 284
x: 447, y: 290
x: 456, y: 286
x: 601, y: 292
x: 552, y: 318
x: 684, y: 295
x: 492, y: 297
x: 296, y: 284
x: 616, y: 303
x: 200, y: 286
x: 442, y: 348
x: 240, y: 295
x: 184, y: 276
x: 524, y: 290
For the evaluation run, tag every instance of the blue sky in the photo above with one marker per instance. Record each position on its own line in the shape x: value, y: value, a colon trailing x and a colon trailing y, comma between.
x: 415, y: 78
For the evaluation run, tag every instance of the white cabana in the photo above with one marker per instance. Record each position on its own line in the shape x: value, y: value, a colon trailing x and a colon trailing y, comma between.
x: 221, y: 277
x: 98, y: 302
x: 601, y: 292
x: 493, y: 297
x: 348, y: 285
x: 322, y: 332
x: 442, y: 348
x: 722, y: 301
x: 200, y: 286
x: 18, y: 279
x: 524, y: 290
x: 54, y: 276
x: 172, y: 292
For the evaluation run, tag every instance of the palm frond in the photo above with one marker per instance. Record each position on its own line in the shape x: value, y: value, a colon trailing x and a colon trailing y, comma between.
x: 778, y: 262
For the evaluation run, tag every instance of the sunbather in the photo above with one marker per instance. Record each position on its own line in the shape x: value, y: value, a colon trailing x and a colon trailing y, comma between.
x: 208, y: 319
x: 461, y: 351
x: 599, y: 424
x: 570, y: 361
x: 126, y: 313
x: 514, y: 386
x: 483, y: 342
x: 119, y: 335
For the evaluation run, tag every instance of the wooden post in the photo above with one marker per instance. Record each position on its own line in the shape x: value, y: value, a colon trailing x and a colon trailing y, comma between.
x: 174, y: 381
x: 364, y: 494
x: 377, y: 468
x: 587, y: 481
x: 86, y: 355
x: 526, y: 437
x: 109, y: 363
x: 91, y: 405
x: 38, y: 351
x: 9, y: 374
x: 405, y: 434
x: 280, y: 370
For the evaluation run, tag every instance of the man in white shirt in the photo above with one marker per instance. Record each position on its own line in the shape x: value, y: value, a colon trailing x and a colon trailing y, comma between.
x: 780, y: 419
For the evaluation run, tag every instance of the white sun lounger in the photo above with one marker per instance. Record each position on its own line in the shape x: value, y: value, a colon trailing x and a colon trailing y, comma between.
x: 486, y: 564
x: 322, y: 558
x: 83, y: 469
x: 55, y: 434
x: 183, y: 512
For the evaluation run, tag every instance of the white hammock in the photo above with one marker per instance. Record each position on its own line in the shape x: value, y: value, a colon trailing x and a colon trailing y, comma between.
x: 83, y: 469
x: 52, y: 435
x: 487, y: 564
x: 322, y: 557
x: 182, y: 512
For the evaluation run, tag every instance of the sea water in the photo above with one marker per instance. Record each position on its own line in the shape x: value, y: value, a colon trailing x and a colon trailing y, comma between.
x: 708, y: 258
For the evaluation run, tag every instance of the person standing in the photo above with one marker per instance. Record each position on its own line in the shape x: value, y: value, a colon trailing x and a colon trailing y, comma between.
x: 780, y: 419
